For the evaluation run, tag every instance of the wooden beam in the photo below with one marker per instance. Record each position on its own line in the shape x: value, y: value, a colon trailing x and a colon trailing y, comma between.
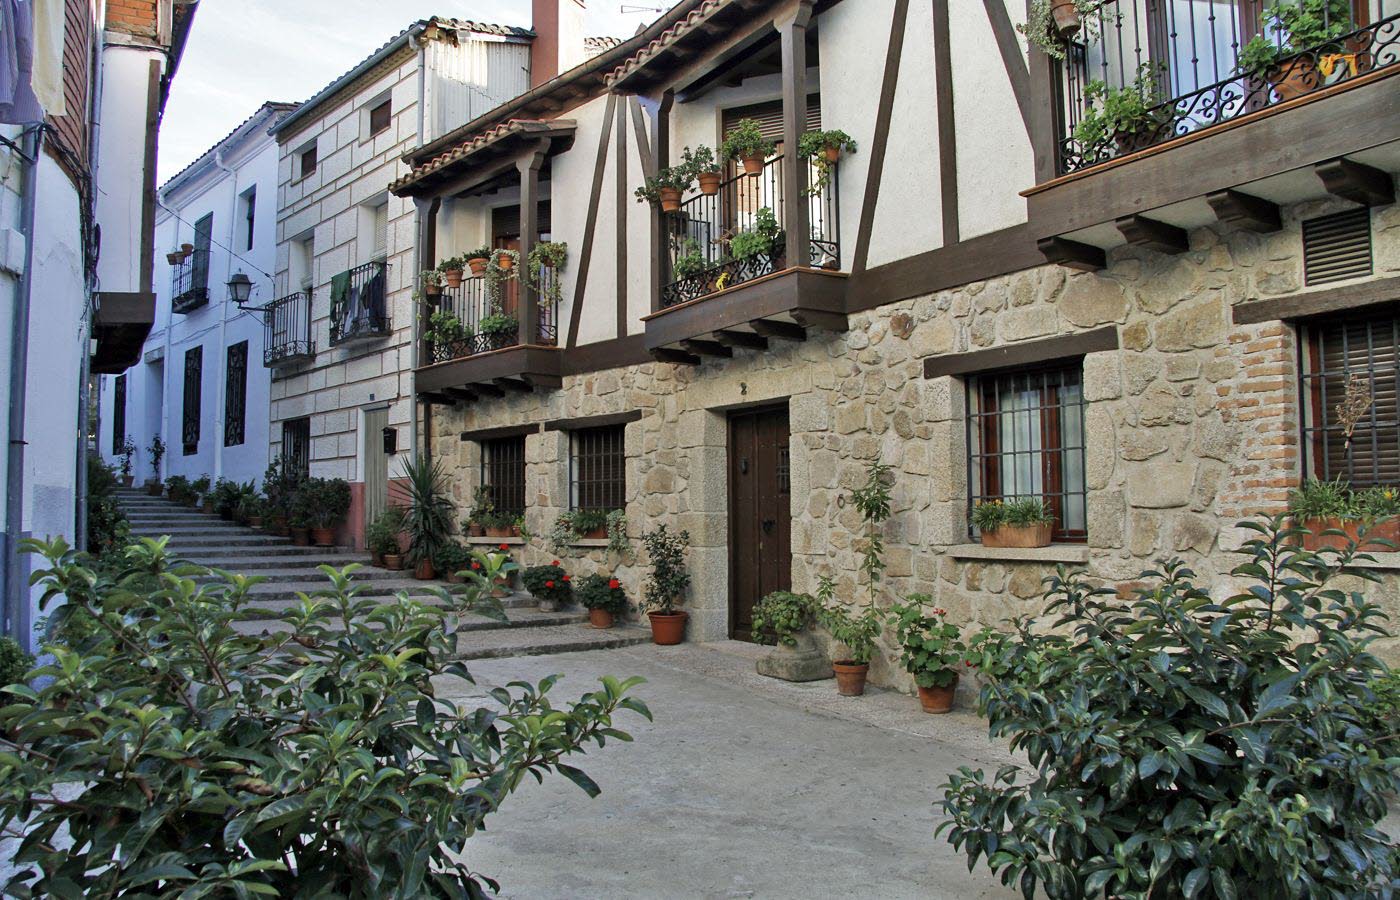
x: 706, y: 348
x: 746, y: 339
x: 1356, y: 182
x: 820, y: 319
x: 487, y: 390
x: 1245, y: 211
x: 797, y: 216
x: 460, y: 394
x: 510, y: 384
x: 676, y: 357
x: 434, y: 397
x: 778, y: 330
x: 1153, y: 234
x: 544, y: 382
x: 1072, y: 254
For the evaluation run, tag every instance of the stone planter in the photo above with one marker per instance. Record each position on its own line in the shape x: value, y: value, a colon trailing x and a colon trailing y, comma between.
x: 1018, y: 536
x: 546, y: 604
x: 803, y: 662
x: 498, y: 531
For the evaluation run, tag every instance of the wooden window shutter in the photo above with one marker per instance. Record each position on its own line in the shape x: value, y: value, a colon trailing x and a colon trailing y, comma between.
x: 770, y: 117
x: 505, y: 221
x: 1366, y: 349
x: 381, y: 232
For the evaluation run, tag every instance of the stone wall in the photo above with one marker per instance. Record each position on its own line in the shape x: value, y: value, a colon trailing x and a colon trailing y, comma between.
x: 1190, y: 425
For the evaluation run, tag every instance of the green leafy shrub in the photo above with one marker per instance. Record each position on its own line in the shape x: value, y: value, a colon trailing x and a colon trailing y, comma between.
x: 932, y: 648
x: 452, y: 558
x: 668, y: 579
x: 1184, y: 746
x: 678, y: 178
x: 603, y: 592
x: 428, y: 516
x: 382, y: 535
x: 1289, y: 28
x: 747, y: 141
x: 1122, y: 112
x: 225, y: 495
x: 177, y: 488
x: 813, y: 145
x: 107, y: 525
x: 991, y: 515
x: 857, y: 632
x: 194, y: 760
x: 200, y: 488
x: 785, y: 615
x: 15, y: 661
x: 872, y: 501
x: 548, y: 583
x: 689, y: 259
x: 323, y: 502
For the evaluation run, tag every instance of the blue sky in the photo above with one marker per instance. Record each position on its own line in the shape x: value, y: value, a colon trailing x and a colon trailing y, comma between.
x: 243, y: 52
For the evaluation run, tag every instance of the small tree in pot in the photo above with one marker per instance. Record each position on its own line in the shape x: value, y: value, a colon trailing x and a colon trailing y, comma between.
x: 327, y: 500
x: 603, y: 597
x: 428, y: 518
x: 856, y: 633
x: 128, y: 451
x: 157, y: 451
x: 933, y: 651
x: 666, y: 583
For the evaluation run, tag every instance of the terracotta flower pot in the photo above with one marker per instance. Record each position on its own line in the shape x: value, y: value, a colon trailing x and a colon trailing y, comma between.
x: 506, y: 263
x: 709, y: 183
x: 187, y: 249
x: 1066, y: 18
x: 596, y: 534
x: 476, y: 530
x: 174, y: 258
x: 424, y: 571
x: 498, y: 531
x: 600, y: 618
x: 668, y: 628
x: 477, y: 264
x: 207, y: 506
x: 154, y: 488
x: 451, y: 578
x: 279, y: 526
x: 1381, y: 530
x: 376, y: 558
x: 753, y: 165
x: 301, y: 536
x: 1018, y: 536
x: 1295, y: 78
x: 323, y: 537
x: 453, y: 277
x: 938, y: 700
x: 833, y: 154
x: 850, y: 677
x: 433, y: 289
x: 393, y: 561
x: 670, y: 199
x: 255, y: 522
x: 128, y: 480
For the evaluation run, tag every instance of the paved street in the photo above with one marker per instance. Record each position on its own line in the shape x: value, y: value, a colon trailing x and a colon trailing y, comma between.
x: 744, y: 787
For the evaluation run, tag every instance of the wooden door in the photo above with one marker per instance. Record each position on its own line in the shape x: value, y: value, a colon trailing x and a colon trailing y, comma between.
x: 376, y: 464
x: 760, y: 516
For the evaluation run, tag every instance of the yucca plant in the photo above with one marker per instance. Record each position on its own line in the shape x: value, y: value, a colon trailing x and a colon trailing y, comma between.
x: 428, y: 517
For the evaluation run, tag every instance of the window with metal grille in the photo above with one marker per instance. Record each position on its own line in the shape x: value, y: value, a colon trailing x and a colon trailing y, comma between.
x: 598, y: 469
x: 296, y: 447
x: 194, y: 374
x: 1025, y: 439
x: 380, y: 118
x: 235, y: 394
x: 1337, y: 247
x: 1351, y: 407
x: 119, y: 416
x: 503, y: 472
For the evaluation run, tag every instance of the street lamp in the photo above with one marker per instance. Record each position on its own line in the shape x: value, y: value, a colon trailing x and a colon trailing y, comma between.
x: 240, y: 288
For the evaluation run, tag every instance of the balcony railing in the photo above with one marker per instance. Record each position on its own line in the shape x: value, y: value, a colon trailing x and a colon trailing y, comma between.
x: 466, y: 320
x: 287, y: 330
x: 698, y: 240
x: 359, y: 307
x: 189, y: 282
x: 1185, y: 58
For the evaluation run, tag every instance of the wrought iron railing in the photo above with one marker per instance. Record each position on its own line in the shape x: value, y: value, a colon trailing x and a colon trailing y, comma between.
x: 1186, y: 60
x: 359, y: 304
x: 287, y: 330
x: 468, y: 319
x: 699, y: 257
x: 189, y: 282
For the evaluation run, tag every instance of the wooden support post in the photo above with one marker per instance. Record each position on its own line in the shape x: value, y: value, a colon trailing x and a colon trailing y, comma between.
x: 529, y: 167
x: 796, y: 214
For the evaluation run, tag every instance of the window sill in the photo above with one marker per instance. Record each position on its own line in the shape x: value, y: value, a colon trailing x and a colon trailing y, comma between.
x: 1055, y: 553
x: 1384, y: 561
x: 497, y: 541
x: 589, y: 542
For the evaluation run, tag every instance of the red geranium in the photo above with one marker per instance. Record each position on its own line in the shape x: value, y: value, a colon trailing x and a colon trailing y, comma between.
x: 555, y: 563
x: 614, y: 584
x: 476, y: 565
x: 505, y: 547
x: 566, y: 578
x: 549, y: 584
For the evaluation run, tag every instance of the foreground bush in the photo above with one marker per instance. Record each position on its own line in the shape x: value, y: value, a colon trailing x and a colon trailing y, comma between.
x: 172, y: 755
x: 1184, y: 746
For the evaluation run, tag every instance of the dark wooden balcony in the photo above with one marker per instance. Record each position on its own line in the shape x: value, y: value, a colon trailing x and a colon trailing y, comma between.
x: 287, y: 330
x: 359, y: 304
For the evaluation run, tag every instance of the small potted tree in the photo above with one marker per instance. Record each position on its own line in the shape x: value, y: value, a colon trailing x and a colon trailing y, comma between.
x: 747, y: 144
x: 1014, y: 523
x: 857, y: 633
x: 932, y: 651
x: 330, y: 501
x: 702, y: 165
x: 382, y: 536
x: 550, y: 585
x: 603, y: 597
x: 128, y: 451
x: 666, y: 584
x: 428, y: 517
x: 157, y: 452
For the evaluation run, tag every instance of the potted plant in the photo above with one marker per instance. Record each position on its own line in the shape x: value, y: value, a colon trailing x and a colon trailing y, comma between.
x: 550, y: 585
x: 747, y: 144
x: 1130, y: 115
x: 451, y: 269
x: 175, y: 257
x: 552, y: 255
x: 603, y: 597
x: 128, y: 450
x: 1024, y: 522
x: 200, y: 494
x: 445, y: 329
x: 177, y: 488
x: 932, y: 651
x: 591, y: 524
x: 1051, y: 23
x: 823, y: 149
x: 664, y: 189
x: 495, y: 570
x: 253, y: 510
x: 703, y: 166
x: 857, y: 633
x: 299, y: 528
x: 453, y: 560
x: 618, y: 541
x: 765, y: 238
x: 1332, y: 516
x: 280, y: 486
x: 501, y: 266
x: 666, y: 584
x: 326, y: 502
x: 519, y: 529
x: 432, y: 279
x: 225, y: 497
x: 382, y: 536
x: 428, y: 517
x: 689, y: 260
x: 498, y: 524
x: 157, y: 451
x: 482, y: 506
x: 1301, y: 34
x: 478, y: 258
x: 498, y: 326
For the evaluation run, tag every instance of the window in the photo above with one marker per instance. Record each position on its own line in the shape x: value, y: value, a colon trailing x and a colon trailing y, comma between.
x: 308, y: 162
x: 194, y: 372
x: 380, y: 118
x: 503, y: 472
x: 119, y: 416
x: 235, y: 394
x: 1350, y: 364
x: 1025, y: 438
x: 296, y: 447
x: 380, y: 232
x: 250, y: 212
x: 597, y: 471
x: 199, y: 271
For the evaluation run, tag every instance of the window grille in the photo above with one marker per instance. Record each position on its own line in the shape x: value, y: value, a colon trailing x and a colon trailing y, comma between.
x: 1025, y: 439
x: 235, y: 394
x: 296, y: 447
x: 597, y: 476
x: 119, y: 416
x: 194, y: 374
x: 503, y: 472
x: 1354, y: 355
x: 250, y: 215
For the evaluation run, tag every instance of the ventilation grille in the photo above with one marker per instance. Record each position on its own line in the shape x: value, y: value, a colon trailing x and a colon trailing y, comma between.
x: 1337, y: 247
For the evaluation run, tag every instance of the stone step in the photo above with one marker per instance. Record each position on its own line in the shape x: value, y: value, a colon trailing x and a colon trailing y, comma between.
x: 247, y: 539
x: 236, y: 554
x: 278, y: 596
x: 208, y: 527
x: 275, y: 558
x: 516, y: 618
x: 546, y: 640
x: 300, y: 574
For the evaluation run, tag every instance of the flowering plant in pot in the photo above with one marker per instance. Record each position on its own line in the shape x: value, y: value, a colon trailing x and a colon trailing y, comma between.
x: 747, y: 144
x: 932, y: 651
x: 703, y: 166
x: 664, y: 189
x: 603, y: 597
x: 382, y: 536
x: 1292, y: 40
x: 666, y: 583
x: 856, y: 632
x: 428, y: 517
x: 823, y: 149
x: 1021, y: 522
x: 431, y: 280
x: 1330, y: 515
x: 496, y: 569
x: 550, y: 585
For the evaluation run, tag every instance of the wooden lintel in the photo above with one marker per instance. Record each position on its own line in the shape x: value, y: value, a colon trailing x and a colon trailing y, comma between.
x: 821, y: 319
x: 779, y: 330
x: 1245, y: 211
x: 1072, y: 254
x: 1356, y: 182
x: 706, y: 348
x: 1153, y: 234
x: 510, y: 384
x: 675, y: 357
x: 745, y: 339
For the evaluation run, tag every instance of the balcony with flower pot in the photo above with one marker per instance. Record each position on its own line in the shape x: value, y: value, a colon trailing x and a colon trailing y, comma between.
x: 1166, y: 117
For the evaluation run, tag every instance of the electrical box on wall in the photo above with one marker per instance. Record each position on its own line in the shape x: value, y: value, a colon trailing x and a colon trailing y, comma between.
x: 391, y: 441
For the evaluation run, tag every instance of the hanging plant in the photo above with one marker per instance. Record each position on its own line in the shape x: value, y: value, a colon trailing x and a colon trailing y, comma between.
x: 701, y: 163
x: 1050, y: 23
x: 478, y: 259
x: 747, y: 144
x: 548, y: 255
x: 500, y: 269
x: 665, y: 188
x: 823, y: 149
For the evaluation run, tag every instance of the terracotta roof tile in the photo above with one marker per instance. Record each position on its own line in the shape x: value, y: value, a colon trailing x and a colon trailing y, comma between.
x: 472, y: 145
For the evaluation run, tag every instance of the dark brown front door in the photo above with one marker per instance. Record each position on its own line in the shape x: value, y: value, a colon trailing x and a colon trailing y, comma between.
x: 760, y: 517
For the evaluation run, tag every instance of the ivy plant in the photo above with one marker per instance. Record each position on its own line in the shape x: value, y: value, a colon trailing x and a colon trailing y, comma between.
x: 781, y: 616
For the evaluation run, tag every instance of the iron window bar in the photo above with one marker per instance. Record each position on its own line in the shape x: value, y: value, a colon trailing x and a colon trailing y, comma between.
x: 287, y: 335
x: 361, y: 312
x: 598, y: 468
x: 503, y: 473
x: 189, y: 282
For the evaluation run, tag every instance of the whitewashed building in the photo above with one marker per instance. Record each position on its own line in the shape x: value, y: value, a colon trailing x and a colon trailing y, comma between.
x: 202, y: 383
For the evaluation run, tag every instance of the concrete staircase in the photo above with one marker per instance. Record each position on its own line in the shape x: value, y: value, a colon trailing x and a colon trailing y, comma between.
x: 210, y: 541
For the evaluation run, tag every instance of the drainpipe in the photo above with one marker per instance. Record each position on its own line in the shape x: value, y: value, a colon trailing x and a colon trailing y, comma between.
x: 221, y: 384
x: 17, y: 605
x: 167, y: 363
x: 413, y: 338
